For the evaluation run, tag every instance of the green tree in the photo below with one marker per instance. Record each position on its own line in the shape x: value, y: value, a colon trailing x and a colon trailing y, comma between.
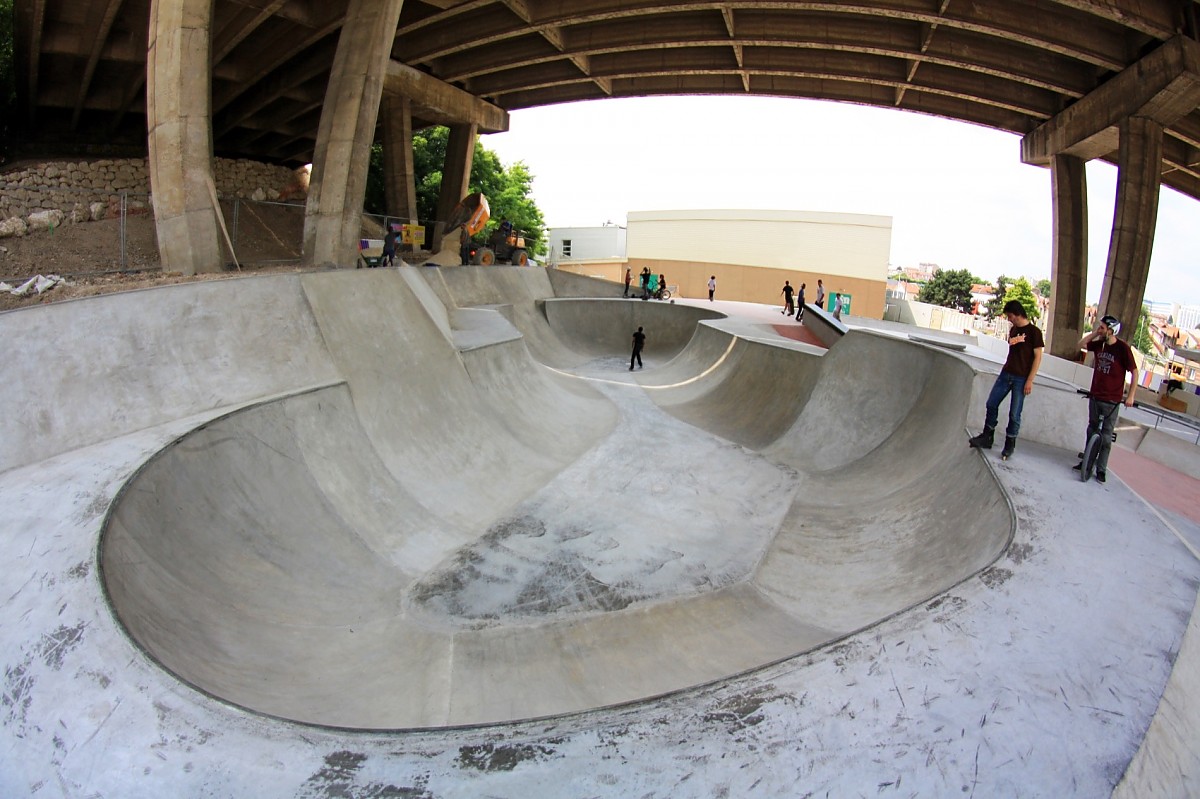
x: 1141, y: 335
x: 950, y: 289
x: 1043, y: 288
x: 995, y: 305
x: 508, y: 189
x: 1022, y: 292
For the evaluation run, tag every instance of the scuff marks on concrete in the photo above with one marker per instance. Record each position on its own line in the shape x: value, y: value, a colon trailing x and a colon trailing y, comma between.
x: 502, y: 757
x: 995, y: 576
x: 745, y: 709
x: 339, y: 778
x: 1018, y: 553
x: 20, y: 679
x: 54, y: 646
x: 17, y: 696
x: 522, y: 568
x: 946, y: 607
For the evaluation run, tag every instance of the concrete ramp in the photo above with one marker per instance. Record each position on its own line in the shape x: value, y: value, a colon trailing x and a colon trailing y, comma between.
x: 448, y: 532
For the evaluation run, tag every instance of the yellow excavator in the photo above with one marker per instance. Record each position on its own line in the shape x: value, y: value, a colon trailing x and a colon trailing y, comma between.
x: 468, y: 218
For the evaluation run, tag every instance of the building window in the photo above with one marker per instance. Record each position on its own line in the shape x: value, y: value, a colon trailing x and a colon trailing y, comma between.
x: 566, y: 248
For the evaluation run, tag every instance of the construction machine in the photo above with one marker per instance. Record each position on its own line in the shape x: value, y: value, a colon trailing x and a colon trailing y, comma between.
x: 505, y: 245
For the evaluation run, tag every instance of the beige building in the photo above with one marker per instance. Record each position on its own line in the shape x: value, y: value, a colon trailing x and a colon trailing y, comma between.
x: 752, y: 253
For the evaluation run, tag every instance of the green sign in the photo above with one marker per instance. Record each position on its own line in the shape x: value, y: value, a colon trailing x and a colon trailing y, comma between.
x: 845, y: 303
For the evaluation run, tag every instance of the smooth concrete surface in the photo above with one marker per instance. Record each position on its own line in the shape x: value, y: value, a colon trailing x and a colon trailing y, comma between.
x: 416, y: 523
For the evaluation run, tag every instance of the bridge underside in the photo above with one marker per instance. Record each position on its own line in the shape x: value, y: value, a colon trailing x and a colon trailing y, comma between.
x: 1007, y: 64
x: 295, y: 82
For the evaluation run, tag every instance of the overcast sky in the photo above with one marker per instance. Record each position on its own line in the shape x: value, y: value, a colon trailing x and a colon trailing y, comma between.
x: 958, y: 194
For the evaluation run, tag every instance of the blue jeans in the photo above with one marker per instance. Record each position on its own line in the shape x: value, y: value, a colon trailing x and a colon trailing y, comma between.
x: 1006, y: 383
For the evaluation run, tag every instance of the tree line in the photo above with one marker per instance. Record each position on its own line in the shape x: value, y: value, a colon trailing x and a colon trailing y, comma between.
x: 951, y: 288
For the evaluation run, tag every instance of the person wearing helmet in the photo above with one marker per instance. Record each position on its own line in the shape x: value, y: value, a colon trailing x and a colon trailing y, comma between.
x: 1113, y: 359
x: 1025, y: 345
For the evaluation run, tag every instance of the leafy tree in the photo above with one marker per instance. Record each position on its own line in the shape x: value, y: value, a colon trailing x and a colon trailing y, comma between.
x: 995, y: 306
x: 1022, y: 292
x: 950, y: 289
x: 1141, y: 335
x: 1043, y: 288
x: 507, y: 189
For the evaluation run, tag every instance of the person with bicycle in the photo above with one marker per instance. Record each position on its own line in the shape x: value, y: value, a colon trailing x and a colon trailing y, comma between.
x: 1113, y: 360
x: 1025, y: 345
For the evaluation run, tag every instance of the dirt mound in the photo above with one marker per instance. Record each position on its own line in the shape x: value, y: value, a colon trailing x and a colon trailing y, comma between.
x: 104, y: 256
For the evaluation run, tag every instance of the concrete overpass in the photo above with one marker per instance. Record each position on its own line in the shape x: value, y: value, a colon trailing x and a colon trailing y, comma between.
x: 292, y: 81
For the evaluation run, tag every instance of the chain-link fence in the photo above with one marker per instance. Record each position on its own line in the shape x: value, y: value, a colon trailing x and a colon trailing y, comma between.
x: 77, y: 231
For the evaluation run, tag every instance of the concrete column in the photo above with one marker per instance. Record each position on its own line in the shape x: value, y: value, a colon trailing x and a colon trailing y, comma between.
x: 333, y: 218
x: 1139, y: 177
x: 456, y: 174
x: 400, y: 172
x: 1068, y: 268
x: 179, y: 132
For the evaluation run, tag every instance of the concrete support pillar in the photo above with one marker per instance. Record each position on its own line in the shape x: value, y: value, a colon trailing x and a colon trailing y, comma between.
x: 400, y: 172
x: 1139, y: 178
x: 179, y: 132
x: 333, y: 218
x: 1068, y: 268
x: 456, y: 174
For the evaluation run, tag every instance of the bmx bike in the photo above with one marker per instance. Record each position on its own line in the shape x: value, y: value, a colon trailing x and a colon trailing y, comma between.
x: 663, y: 294
x: 1091, y: 450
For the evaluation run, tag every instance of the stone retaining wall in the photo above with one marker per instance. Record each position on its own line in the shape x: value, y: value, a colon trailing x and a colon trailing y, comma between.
x: 82, y: 191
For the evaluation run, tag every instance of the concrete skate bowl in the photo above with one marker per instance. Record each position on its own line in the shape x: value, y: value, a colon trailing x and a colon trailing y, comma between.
x: 429, y: 528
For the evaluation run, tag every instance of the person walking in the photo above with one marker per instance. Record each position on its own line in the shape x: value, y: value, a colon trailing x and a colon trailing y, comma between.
x: 1025, y: 345
x: 800, y: 303
x: 1113, y: 360
x: 837, y: 306
x: 786, y: 291
x: 820, y: 295
x: 712, y: 287
x: 628, y: 280
x: 639, y: 341
x: 389, y: 248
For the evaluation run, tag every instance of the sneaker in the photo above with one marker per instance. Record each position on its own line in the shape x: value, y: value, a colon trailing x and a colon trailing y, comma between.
x: 1078, y: 466
x: 1101, y: 477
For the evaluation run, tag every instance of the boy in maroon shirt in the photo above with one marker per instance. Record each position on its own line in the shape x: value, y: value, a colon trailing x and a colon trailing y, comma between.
x: 1113, y: 359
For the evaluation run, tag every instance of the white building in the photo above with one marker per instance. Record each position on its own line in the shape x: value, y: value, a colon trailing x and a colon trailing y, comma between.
x: 1187, y: 317
x: 587, y: 244
x: 750, y: 252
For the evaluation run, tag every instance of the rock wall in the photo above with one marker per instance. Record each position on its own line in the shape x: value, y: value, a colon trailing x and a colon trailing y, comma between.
x: 87, y: 190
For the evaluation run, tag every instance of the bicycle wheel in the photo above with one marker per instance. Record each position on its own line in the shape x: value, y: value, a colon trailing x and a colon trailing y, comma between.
x: 666, y: 295
x: 1090, y: 453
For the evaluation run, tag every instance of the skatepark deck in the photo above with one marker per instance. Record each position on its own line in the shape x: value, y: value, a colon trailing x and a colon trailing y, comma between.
x: 299, y: 514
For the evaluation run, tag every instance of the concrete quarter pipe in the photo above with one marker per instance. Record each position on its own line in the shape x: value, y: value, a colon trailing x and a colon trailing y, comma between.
x: 421, y: 499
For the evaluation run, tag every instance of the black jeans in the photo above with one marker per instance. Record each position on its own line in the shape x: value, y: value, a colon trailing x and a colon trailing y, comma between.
x: 1102, y: 418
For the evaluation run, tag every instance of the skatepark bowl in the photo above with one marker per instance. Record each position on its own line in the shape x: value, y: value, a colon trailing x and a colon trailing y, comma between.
x: 476, y: 513
x: 422, y: 532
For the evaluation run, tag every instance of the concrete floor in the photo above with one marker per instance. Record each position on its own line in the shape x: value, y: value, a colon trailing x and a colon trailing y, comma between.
x: 431, y: 498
